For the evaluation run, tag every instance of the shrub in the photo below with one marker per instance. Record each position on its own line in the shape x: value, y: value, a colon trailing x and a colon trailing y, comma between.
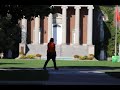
x: 85, y: 57
x: 38, y: 55
x: 91, y: 55
x: 76, y: 56
x: 81, y: 57
x: 23, y: 57
x: 27, y: 57
x: 30, y: 56
x: 90, y: 58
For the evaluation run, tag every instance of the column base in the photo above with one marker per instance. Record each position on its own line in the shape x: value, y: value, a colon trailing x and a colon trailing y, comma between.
x: 63, y: 44
x: 84, y: 44
x: 76, y: 44
x: 71, y: 44
x: 22, y: 48
x: 35, y: 43
x: 45, y: 43
x: 91, y: 49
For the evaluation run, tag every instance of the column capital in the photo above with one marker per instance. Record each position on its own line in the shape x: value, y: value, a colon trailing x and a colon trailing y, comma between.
x: 23, y: 17
x: 77, y: 7
x: 50, y: 14
x: 38, y: 16
x: 90, y: 7
x: 64, y: 7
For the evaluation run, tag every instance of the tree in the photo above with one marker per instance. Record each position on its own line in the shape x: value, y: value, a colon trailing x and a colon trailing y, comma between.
x: 9, y: 34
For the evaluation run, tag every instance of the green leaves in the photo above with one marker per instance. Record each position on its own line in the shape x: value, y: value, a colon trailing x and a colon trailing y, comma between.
x: 109, y: 10
x: 17, y: 11
x: 9, y: 34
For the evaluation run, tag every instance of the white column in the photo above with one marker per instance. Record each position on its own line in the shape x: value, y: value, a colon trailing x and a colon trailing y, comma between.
x: 50, y: 19
x: 64, y: 23
x: 77, y: 25
x: 89, y: 25
x: 37, y: 29
x: 24, y: 31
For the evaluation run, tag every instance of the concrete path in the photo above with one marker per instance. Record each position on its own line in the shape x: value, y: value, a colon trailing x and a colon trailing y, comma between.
x: 72, y: 76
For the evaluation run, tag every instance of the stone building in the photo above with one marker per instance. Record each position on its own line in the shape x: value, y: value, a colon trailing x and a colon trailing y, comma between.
x: 72, y: 27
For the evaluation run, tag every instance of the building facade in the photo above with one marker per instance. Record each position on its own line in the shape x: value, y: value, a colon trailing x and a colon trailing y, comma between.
x: 71, y: 26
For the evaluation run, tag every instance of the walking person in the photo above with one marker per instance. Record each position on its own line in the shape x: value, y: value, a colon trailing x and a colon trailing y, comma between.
x: 51, y: 53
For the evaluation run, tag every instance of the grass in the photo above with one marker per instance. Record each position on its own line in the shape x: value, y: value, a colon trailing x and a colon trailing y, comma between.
x: 110, y: 68
x: 8, y: 63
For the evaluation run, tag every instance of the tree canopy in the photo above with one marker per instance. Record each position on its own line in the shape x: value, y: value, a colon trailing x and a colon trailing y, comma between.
x: 17, y: 11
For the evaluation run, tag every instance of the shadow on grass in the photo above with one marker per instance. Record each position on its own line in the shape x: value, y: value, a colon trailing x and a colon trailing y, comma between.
x: 10, y: 63
x: 23, y: 75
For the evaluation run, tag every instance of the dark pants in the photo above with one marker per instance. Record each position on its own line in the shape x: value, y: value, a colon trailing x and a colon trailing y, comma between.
x: 51, y: 55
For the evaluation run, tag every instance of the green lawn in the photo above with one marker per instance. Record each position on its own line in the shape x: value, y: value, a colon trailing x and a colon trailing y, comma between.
x: 114, y: 68
x: 12, y: 63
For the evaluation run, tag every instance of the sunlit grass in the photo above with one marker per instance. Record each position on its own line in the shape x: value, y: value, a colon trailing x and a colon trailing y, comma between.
x: 7, y: 63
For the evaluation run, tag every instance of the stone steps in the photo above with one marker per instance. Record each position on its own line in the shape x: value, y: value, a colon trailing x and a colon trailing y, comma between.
x: 63, y: 51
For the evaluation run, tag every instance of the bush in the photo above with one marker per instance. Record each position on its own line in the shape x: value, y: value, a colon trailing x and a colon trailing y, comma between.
x: 85, y: 57
x: 27, y: 57
x: 91, y: 55
x: 38, y: 55
x: 22, y: 57
x: 81, y: 57
x: 76, y: 56
x: 90, y: 58
x: 30, y: 56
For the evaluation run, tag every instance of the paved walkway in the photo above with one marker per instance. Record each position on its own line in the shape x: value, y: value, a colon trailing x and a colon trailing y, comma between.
x: 73, y: 76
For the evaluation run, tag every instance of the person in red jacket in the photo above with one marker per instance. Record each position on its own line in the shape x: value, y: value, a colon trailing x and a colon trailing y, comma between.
x: 51, y: 53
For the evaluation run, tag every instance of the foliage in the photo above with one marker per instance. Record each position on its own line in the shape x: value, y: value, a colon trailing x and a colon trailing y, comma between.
x: 76, y: 56
x: 22, y: 57
x: 9, y: 34
x: 27, y: 57
x: 38, y: 55
x: 82, y: 57
x: 30, y: 56
x: 109, y: 25
x: 89, y: 57
x: 17, y: 11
